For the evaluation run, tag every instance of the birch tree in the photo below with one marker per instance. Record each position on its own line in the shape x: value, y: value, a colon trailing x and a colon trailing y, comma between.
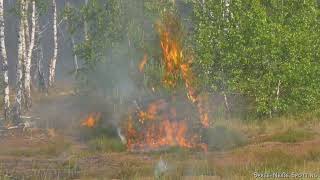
x: 27, y: 66
x: 75, y: 57
x: 86, y: 23
x: 19, y: 69
x: 41, y: 80
x: 6, y: 102
x: 52, y: 65
x: 247, y: 50
x: 226, y: 17
x: 73, y: 44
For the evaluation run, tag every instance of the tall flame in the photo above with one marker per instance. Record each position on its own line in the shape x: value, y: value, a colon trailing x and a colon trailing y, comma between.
x: 175, y: 63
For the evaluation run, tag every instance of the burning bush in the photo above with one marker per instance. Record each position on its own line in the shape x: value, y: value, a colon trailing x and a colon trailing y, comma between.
x: 160, y: 123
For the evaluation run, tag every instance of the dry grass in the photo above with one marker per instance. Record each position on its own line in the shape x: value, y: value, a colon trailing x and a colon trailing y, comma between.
x: 281, y: 144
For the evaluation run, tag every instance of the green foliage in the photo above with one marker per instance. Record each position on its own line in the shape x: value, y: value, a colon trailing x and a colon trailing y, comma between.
x: 42, y: 7
x: 119, y: 34
x: 268, y: 51
x: 264, y: 52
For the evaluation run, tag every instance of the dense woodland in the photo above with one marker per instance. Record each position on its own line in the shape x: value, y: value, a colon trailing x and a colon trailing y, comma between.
x: 256, y: 58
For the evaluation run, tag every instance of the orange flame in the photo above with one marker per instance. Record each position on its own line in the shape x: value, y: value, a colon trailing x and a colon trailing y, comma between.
x: 157, y: 125
x: 91, y: 120
x: 164, y: 130
x: 143, y: 62
x: 173, y: 56
x: 152, y: 110
x: 176, y: 62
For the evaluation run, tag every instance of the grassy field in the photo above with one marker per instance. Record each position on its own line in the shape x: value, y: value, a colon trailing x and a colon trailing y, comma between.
x: 236, y: 151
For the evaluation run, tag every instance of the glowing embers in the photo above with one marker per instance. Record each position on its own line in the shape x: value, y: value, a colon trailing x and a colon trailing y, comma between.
x: 91, y: 120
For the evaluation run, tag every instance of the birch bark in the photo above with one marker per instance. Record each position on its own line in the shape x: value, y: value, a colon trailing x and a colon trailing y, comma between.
x: 21, y: 56
x: 86, y: 24
x: 6, y: 102
x: 75, y: 57
x: 27, y: 75
x: 52, y: 65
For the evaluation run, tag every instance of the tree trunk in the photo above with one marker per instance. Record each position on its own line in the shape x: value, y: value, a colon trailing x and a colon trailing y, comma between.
x: 26, y: 27
x: 42, y: 82
x: 38, y: 70
x: 226, y: 17
x: 36, y: 52
x: 86, y: 24
x: 6, y: 102
x: 73, y: 44
x: 27, y: 73
x: 75, y: 57
x: 21, y: 56
x: 52, y: 65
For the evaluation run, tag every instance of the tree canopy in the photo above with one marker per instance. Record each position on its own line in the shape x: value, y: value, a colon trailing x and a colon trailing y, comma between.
x: 263, y: 52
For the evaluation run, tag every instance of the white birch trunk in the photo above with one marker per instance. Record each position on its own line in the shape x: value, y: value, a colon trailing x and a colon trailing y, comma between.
x: 226, y: 17
x: 75, y: 57
x: 21, y: 56
x: 27, y: 66
x: 35, y: 53
x: 26, y: 26
x: 24, y: 19
x: 86, y: 25
x: 6, y: 102
x: 52, y: 65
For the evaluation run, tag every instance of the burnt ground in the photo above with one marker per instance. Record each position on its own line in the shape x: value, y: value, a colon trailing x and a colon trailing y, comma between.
x: 53, y: 150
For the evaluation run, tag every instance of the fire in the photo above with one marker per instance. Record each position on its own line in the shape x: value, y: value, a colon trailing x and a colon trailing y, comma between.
x: 143, y: 63
x: 175, y: 63
x: 167, y: 134
x: 157, y: 125
x: 91, y: 120
x: 152, y: 110
x: 160, y: 129
x: 173, y: 56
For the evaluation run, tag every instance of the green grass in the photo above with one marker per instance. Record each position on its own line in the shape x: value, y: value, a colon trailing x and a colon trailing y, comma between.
x: 292, y: 136
x: 106, y: 144
x: 223, y: 138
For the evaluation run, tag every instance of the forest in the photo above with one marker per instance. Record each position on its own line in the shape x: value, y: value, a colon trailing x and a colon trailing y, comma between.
x: 159, y: 89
